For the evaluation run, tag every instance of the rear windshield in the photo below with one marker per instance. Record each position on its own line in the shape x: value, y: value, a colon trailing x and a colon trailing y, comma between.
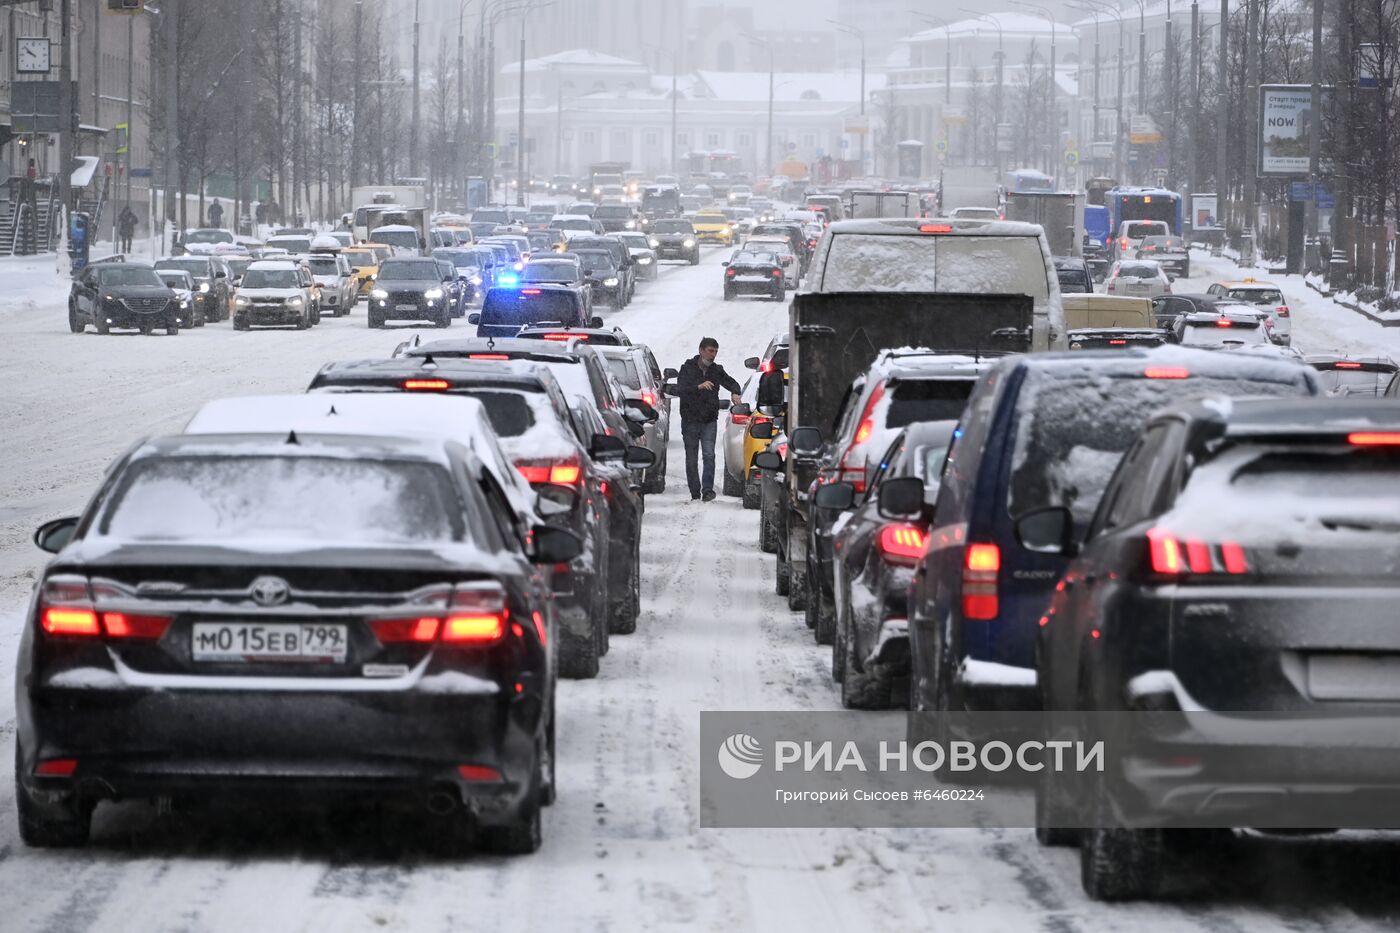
x: 1355, y: 378
x: 324, y: 266
x: 549, y: 272
x: 509, y: 412
x: 522, y: 307
x: 1165, y: 242
x: 1074, y: 429
x: 392, y: 271
x: 672, y: 226
x: 199, y: 268
x: 292, y: 245
x: 273, y: 501
x: 542, y: 240
x: 458, y: 257
x: 175, y: 279
x: 1209, y: 334
x: 596, y: 262
x: 873, y: 262
x: 625, y: 371
x: 1137, y: 270
x: 271, y: 278
x: 612, y: 210
x: 1255, y: 296
x: 927, y: 400
x: 1144, y: 229
x: 494, y: 216
x: 209, y: 236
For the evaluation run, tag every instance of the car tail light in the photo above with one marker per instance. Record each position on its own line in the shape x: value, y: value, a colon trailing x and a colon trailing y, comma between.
x: 134, y: 625
x: 529, y: 291
x: 1167, y: 372
x: 478, y: 773
x: 777, y: 273
x: 1374, y: 438
x: 67, y: 610
x: 425, y: 385
x: 730, y: 273
x: 649, y: 398
x: 1224, y: 322
x: 1281, y: 310
x: 487, y: 356
x: 855, y: 475
x: 981, y: 567
x: 566, y: 472
x: 1169, y: 556
x: 935, y: 228
x: 736, y: 418
x: 1149, y: 249
x: 70, y: 620
x: 424, y: 629
x: 582, y: 337
x: 472, y: 613
x: 1346, y: 364
x: 1123, y: 243
x: 902, y: 544
x: 1117, y: 343
x: 56, y: 767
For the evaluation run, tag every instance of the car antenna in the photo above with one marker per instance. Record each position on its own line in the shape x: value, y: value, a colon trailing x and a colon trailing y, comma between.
x: 490, y: 343
x: 292, y: 437
x: 332, y: 411
x: 428, y: 361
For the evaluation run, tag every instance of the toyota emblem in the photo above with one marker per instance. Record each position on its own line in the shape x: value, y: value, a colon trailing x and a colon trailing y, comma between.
x: 269, y: 591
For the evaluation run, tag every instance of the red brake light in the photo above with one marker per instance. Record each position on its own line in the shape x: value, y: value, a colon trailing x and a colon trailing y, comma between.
x: 56, y: 767
x: 1167, y: 372
x: 529, y: 291
x: 1165, y: 552
x: 583, y: 337
x: 398, y: 630
x: 474, y: 628
x: 1281, y: 310
x: 730, y: 273
x: 766, y: 366
x: 1170, y: 557
x: 649, y: 398
x: 478, y: 773
x: 565, y: 473
x: 777, y: 273
x: 1374, y: 438
x: 1124, y: 242
x: 69, y: 620
x: 981, y: 566
x: 935, y: 228
x: 902, y: 544
x: 1347, y: 364
x: 1224, y: 322
x: 1117, y: 343
x: 131, y: 625
x: 487, y: 356
x: 736, y: 418
x: 425, y: 384
x: 533, y: 473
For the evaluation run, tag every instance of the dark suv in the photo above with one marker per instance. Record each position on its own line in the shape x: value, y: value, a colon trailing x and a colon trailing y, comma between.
x: 213, y: 294
x: 603, y: 276
x: 411, y: 289
x: 1040, y: 431
x: 121, y: 294
x: 676, y: 239
x: 506, y: 310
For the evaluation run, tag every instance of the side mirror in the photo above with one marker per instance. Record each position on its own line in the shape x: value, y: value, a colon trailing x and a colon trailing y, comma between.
x: 743, y: 409
x: 554, y: 545
x: 671, y: 388
x: 607, y: 447
x: 751, y: 362
x: 54, y: 536
x: 639, y: 458
x: 900, y: 498
x: 648, y: 413
x: 474, y: 318
x: 836, y: 497
x: 595, y: 321
x: 763, y: 430
x: 768, y: 461
x: 553, y: 499
x: 725, y: 263
x: 806, y: 442
x: 669, y: 374
x: 1048, y: 531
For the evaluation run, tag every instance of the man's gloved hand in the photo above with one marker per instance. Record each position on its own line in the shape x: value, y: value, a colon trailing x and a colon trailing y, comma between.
x: 734, y: 397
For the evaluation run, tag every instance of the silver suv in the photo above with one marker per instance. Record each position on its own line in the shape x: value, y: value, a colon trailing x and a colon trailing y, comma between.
x: 276, y: 292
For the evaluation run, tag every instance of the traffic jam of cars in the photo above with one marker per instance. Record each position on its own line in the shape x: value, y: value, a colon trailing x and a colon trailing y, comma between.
x: 1054, y: 489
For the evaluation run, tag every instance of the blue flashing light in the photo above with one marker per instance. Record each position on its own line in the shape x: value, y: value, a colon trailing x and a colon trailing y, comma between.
x: 508, y: 281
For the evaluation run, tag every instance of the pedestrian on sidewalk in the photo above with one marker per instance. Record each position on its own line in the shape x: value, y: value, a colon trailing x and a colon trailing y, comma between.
x: 126, y: 228
x: 699, y: 382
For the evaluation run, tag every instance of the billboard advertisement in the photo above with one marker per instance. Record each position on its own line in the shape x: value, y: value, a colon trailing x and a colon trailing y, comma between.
x: 1204, y: 213
x: 1286, y: 125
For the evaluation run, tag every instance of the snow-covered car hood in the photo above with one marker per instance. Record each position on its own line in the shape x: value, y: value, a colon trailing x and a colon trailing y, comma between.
x: 269, y: 293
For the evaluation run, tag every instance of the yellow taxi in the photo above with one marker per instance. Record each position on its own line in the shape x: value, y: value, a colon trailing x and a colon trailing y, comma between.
x: 1266, y: 297
x: 740, y: 443
x: 712, y: 227
x: 364, y: 259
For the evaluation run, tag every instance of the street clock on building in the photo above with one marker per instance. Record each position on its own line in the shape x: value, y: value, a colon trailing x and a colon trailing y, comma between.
x: 32, y: 55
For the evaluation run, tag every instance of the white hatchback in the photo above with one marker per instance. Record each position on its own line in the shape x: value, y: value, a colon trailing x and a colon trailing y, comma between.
x: 1138, y: 278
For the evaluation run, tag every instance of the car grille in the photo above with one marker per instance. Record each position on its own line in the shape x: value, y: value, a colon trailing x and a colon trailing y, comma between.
x: 145, y: 305
x: 406, y: 298
x: 269, y: 302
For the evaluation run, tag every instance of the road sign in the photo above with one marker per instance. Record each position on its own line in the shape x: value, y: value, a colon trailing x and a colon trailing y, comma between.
x: 941, y: 147
x: 1142, y: 131
x: 1132, y: 155
x: 1005, y: 142
x: 1103, y: 149
x: 1071, y: 158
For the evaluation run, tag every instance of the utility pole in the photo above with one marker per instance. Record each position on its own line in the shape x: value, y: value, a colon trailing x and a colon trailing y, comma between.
x: 356, y: 141
x: 461, y: 134
x: 66, y: 128
x: 1222, y: 120
x: 413, y: 130
x: 1193, y: 127
x: 520, y: 182
x: 770, y: 114
x: 1251, y: 111
x: 1310, y: 251
x: 675, y: 170
x: 130, y: 92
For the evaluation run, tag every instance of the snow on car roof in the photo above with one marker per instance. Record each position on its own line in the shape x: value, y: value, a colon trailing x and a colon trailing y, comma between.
x: 900, y: 226
x: 388, y: 228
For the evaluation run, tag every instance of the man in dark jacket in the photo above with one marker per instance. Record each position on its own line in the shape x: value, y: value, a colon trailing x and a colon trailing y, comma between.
x: 699, y: 383
x: 126, y: 228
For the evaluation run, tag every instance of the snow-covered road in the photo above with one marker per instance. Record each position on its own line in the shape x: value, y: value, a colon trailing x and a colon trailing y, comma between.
x: 623, y: 849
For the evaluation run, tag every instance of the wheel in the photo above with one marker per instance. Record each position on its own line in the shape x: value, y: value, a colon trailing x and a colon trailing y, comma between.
x: 1118, y: 864
x: 695, y: 259
x: 445, y: 319
x: 732, y: 486
x: 147, y: 329
x: 822, y: 620
x: 782, y: 577
x: 623, y: 618
x: 728, y: 295
x: 523, y: 835
x: 374, y: 320
x: 578, y: 656
x: 74, y: 324
x: 839, y: 647
x: 50, y: 826
x: 171, y: 329
x: 768, y: 530
x: 656, y: 478
x: 859, y: 689
x: 753, y: 493
x: 197, y: 317
x: 241, y: 323
x: 779, y: 295
x: 1052, y: 813
x: 303, y: 322
x: 797, y: 586
x: 549, y: 787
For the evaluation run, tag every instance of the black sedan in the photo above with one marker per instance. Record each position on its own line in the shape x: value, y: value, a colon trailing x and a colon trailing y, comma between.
x: 126, y: 295
x: 751, y: 272
x: 1231, y: 612
x: 312, y: 618
x: 875, y: 553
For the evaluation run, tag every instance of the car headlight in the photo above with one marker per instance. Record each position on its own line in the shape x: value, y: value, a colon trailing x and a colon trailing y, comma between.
x: 688, y: 242
x: 475, y: 280
x: 631, y: 225
x: 433, y: 294
x: 378, y: 293
x: 653, y: 242
x: 644, y: 261
x: 295, y: 302
x: 203, y: 287
x: 610, y: 283
x: 184, y: 302
x: 241, y: 302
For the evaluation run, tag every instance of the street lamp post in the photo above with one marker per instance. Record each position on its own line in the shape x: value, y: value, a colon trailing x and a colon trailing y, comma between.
x: 1001, y: 76
x: 1101, y: 7
x: 413, y: 129
x: 947, y: 52
x: 768, y: 148
x: 1051, y: 116
x: 864, y: 129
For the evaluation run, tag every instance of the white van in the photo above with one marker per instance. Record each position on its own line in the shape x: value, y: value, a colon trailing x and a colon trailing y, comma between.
x: 1131, y: 233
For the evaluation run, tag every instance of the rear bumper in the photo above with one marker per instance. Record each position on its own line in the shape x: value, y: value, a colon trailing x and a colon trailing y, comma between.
x: 989, y: 686
x: 396, y: 745
x: 763, y: 287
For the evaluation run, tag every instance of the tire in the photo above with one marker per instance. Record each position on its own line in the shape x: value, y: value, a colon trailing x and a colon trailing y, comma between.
x: 373, y: 320
x: 728, y: 294
x: 823, y: 619
x: 656, y: 478
x: 1117, y: 864
x: 732, y: 486
x: 782, y: 577
x: 695, y: 259
x: 147, y: 329
x: 198, y: 318
x: 753, y: 494
x: 549, y: 788
x: 779, y: 295
x: 623, y: 618
x: 578, y: 657
x: 1051, y: 813
x: 100, y: 322
x: 303, y: 322
x: 75, y: 326
x: 797, y: 587
x: 445, y: 319
x: 860, y: 689
x: 524, y: 835
x: 839, y: 664
x: 241, y: 323
x: 66, y: 826
x: 172, y: 329
x: 767, y: 529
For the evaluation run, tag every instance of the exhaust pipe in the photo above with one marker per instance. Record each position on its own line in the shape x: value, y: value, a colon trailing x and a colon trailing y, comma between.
x: 443, y: 801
